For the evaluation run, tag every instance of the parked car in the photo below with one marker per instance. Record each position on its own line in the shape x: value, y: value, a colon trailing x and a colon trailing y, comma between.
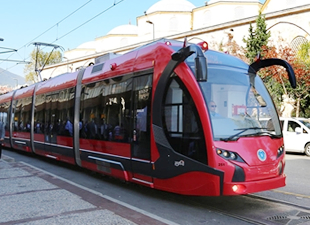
x: 296, y: 134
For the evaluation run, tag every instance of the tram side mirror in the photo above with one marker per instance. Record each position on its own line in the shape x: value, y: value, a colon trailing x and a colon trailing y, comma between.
x: 200, y: 60
x: 259, y: 64
x: 201, y: 68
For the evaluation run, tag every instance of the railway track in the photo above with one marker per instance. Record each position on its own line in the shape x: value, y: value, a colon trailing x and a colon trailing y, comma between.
x: 248, y: 209
x: 254, y: 209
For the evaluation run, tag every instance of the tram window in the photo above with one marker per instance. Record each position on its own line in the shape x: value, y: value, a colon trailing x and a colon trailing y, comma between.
x: 59, y: 114
x: 53, y: 116
x: 15, y: 114
x: 22, y: 114
x: 142, y: 116
x: 92, y: 117
x: 52, y: 112
x: 117, y: 111
x: 61, y: 111
x: 105, y: 109
x: 182, y: 124
x: 4, y: 112
x: 39, y: 114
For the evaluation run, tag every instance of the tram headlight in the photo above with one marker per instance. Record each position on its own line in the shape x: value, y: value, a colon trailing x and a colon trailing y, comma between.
x: 280, y: 151
x: 235, y: 188
x: 229, y: 155
x: 233, y: 156
x: 239, y: 188
x: 226, y: 154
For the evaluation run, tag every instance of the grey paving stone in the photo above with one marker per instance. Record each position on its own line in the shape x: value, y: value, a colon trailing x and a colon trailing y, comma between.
x: 23, y: 184
x: 12, y: 172
x: 99, y: 217
x: 40, y: 203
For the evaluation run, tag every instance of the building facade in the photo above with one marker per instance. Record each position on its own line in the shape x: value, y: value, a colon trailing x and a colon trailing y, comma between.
x: 215, y: 22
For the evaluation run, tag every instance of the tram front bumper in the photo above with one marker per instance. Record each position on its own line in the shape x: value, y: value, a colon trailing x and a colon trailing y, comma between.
x: 240, y: 188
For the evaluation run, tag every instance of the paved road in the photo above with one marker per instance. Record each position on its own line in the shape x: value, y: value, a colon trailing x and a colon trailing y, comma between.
x: 29, y: 195
x: 149, y: 206
x: 297, y: 190
x: 161, y: 207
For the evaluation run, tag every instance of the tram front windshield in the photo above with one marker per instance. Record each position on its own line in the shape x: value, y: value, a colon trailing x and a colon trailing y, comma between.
x: 239, y: 105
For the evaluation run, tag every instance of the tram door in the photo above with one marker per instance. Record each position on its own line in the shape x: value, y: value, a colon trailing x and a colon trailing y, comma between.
x: 141, y: 116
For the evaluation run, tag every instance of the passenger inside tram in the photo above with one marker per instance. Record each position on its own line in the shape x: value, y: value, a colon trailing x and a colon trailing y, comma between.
x: 213, y: 112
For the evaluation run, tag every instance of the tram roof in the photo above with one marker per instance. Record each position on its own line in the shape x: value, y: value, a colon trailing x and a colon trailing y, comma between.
x: 24, y: 92
x: 57, y: 83
x: 127, y: 62
x: 6, y: 97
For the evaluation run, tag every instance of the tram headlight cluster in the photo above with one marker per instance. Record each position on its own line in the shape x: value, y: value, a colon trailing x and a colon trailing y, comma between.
x: 229, y: 155
x: 280, y: 151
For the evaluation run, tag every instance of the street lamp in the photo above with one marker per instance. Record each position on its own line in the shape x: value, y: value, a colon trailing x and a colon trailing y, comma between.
x: 150, y: 22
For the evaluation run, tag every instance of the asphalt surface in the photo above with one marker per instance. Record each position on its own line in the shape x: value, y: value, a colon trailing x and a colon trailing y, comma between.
x: 33, y: 195
x: 29, y: 195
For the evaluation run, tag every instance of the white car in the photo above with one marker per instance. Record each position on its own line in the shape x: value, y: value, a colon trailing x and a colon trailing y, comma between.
x: 296, y: 134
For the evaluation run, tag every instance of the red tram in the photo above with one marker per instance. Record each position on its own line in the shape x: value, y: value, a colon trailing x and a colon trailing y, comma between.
x: 150, y: 117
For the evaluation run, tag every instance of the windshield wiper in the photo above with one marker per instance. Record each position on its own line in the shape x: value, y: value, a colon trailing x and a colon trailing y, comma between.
x: 268, y: 133
x: 231, y: 138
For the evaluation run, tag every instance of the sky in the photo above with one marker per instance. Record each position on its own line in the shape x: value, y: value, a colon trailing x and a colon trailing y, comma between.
x: 67, y: 23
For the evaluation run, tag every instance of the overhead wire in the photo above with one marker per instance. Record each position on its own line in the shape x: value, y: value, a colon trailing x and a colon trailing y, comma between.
x: 57, y: 23
x: 43, y: 34
x: 115, y: 3
x: 57, y: 39
x: 53, y: 26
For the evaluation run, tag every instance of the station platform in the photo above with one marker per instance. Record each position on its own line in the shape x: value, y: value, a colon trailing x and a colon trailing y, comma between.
x: 29, y: 195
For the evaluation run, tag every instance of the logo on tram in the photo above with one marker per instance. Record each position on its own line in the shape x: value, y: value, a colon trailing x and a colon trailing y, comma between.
x: 179, y: 163
x: 262, y: 156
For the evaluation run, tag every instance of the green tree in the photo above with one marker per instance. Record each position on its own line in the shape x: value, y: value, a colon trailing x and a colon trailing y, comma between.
x: 256, y: 39
x: 276, y: 73
x: 303, y: 53
x: 42, y: 58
